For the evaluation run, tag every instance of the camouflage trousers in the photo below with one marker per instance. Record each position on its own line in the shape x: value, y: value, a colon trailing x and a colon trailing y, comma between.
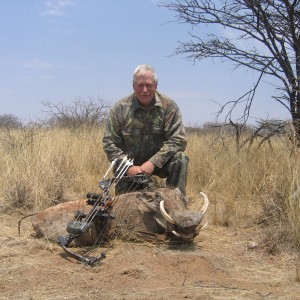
x: 175, y: 171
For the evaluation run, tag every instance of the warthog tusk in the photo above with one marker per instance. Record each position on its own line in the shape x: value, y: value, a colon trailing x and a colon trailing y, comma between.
x: 204, y: 226
x: 176, y: 233
x: 165, y: 214
x: 187, y: 237
x: 206, y: 203
x: 160, y: 223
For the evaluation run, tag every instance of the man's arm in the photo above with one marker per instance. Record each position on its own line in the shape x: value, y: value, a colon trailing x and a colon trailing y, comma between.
x: 112, y: 140
x: 175, y: 138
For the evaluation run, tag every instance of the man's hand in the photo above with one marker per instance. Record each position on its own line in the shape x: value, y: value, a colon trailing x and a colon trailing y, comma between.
x: 134, y: 170
x: 148, y: 167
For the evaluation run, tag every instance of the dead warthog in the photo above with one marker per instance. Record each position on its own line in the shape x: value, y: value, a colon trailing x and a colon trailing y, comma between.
x: 161, y: 213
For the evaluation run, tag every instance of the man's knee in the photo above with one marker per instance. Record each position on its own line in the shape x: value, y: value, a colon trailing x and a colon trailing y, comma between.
x: 177, y: 173
x: 181, y: 159
x: 178, y: 162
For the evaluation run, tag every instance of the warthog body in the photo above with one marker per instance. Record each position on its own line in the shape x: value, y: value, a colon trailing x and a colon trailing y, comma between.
x: 160, y: 213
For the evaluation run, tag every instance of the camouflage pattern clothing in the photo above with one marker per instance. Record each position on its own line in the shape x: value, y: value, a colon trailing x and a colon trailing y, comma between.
x: 156, y: 134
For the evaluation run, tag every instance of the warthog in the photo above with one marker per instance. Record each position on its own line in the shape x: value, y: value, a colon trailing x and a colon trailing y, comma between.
x: 161, y: 213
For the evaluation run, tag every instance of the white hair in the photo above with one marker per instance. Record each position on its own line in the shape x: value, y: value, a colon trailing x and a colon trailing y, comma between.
x: 142, y: 69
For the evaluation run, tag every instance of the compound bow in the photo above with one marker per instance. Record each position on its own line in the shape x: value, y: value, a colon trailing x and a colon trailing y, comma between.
x: 100, y: 212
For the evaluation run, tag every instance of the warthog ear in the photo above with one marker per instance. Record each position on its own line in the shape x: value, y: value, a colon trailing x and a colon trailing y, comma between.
x: 187, y: 219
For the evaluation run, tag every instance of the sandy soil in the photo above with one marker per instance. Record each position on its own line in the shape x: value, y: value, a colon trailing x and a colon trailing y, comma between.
x: 219, y: 265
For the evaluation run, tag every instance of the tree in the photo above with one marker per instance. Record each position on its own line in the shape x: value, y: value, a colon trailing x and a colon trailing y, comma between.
x: 82, y: 112
x: 10, y: 121
x: 270, y: 31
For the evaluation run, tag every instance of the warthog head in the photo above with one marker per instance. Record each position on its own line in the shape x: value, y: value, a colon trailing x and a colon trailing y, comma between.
x: 170, y: 211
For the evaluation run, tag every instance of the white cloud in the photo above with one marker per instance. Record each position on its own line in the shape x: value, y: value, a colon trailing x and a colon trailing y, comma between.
x: 57, y: 7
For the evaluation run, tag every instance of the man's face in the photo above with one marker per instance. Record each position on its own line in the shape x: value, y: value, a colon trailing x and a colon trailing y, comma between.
x: 145, y: 88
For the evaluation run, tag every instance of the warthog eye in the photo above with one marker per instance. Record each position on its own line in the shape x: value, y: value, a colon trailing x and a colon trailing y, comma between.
x: 158, y: 195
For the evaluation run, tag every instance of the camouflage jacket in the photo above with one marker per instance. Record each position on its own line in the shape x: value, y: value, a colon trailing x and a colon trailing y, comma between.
x: 154, y: 134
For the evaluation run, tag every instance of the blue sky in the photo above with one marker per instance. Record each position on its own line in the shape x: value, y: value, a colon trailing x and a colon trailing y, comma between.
x: 59, y: 50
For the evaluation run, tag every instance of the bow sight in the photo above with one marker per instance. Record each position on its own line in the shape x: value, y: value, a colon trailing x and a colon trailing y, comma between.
x: 100, y: 211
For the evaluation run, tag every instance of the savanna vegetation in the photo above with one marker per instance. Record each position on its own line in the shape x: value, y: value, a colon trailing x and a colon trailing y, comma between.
x: 251, y: 181
x: 248, y: 251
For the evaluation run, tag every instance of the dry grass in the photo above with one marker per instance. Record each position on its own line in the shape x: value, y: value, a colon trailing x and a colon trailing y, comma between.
x: 55, y: 164
x: 259, y: 185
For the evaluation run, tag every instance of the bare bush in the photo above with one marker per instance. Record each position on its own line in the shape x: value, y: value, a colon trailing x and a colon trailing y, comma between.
x: 19, y: 138
x: 10, y: 121
x: 218, y: 127
x: 263, y: 131
x: 82, y: 112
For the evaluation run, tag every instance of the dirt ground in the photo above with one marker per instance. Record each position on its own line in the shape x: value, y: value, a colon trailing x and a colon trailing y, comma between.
x: 219, y: 265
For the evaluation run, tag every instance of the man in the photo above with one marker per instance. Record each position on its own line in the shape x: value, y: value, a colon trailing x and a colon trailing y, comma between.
x: 147, y: 126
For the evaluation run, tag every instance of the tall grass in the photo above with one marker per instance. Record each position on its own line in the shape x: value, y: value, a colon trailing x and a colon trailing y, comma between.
x: 256, y: 185
x: 54, y: 165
